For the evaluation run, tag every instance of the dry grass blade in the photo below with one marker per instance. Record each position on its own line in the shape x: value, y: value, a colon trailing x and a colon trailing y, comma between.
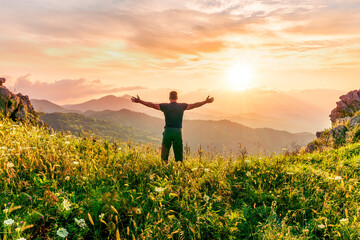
x: 90, y: 219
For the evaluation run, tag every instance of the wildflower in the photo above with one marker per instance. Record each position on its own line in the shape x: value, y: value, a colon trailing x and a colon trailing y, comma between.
x: 21, y: 239
x: 10, y: 165
x: 101, y: 216
x: 18, y: 229
x: 206, y: 198
x: 3, y: 148
x: 344, y: 220
x: 62, y: 232
x: 321, y: 226
x: 337, y: 178
x: 160, y: 189
x: 194, y: 169
x: 206, y: 170
x: 289, y: 173
x: 6, y: 210
x: 67, y: 178
x: 81, y: 223
x: 75, y: 162
x: 21, y: 222
x: 8, y: 222
x: 138, y: 211
x: 67, y: 142
x: 248, y: 174
x: 30, y: 198
x: 247, y: 161
x: 9, y: 203
x: 66, y: 204
x: 34, y: 147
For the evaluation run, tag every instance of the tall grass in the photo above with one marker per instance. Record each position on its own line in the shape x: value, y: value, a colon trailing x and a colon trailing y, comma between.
x: 60, y: 186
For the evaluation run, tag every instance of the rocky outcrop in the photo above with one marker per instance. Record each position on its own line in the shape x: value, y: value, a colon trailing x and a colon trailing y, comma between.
x: 348, y: 105
x: 345, y: 120
x: 17, y: 107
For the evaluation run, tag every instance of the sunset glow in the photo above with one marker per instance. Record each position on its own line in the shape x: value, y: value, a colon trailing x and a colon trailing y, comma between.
x: 106, y: 47
x: 240, y: 77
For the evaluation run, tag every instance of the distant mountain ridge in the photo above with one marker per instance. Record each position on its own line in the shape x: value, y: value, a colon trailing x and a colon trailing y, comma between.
x: 210, y: 132
x: 294, y: 111
x: 49, y: 107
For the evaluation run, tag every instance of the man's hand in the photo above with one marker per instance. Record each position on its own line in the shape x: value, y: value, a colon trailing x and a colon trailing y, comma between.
x: 209, y: 99
x: 135, y: 99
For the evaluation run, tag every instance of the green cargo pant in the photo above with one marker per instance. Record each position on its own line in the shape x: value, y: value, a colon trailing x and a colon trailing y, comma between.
x: 172, y: 136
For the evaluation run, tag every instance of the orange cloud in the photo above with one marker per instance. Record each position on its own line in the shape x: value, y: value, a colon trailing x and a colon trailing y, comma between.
x: 67, y: 89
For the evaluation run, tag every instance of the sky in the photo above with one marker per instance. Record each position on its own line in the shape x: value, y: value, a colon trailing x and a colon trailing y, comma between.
x: 69, y: 51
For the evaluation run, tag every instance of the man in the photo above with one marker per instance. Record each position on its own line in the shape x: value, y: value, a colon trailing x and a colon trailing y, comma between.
x: 173, y: 112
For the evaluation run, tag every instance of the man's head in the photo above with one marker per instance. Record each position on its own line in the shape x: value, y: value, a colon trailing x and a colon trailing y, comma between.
x: 173, y: 96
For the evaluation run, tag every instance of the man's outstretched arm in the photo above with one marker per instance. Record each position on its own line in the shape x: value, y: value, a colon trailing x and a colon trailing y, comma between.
x: 148, y: 104
x: 199, y: 104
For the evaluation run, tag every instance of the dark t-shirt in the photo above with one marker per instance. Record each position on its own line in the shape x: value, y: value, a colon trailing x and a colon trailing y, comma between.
x: 173, y: 113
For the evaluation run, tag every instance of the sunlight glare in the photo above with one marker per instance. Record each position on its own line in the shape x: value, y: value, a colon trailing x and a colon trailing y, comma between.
x: 240, y: 77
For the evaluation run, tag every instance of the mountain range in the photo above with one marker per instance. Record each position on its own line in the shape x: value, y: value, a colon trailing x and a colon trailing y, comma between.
x: 294, y: 111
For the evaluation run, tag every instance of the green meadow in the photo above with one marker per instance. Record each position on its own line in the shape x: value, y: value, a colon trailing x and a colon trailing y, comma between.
x: 61, y: 186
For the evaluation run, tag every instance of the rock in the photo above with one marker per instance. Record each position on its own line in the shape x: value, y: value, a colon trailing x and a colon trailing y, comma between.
x: 342, y: 121
x: 311, y: 147
x: 17, y: 107
x: 354, y: 121
x: 339, y: 132
x: 347, y: 107
x: 318, y: 134
x: 2, y: 81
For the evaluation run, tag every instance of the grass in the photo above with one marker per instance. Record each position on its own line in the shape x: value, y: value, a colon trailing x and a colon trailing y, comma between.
x: 61, y: 186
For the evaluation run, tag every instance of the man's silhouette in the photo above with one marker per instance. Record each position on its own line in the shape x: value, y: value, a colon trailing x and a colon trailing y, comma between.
x: 173, y: 112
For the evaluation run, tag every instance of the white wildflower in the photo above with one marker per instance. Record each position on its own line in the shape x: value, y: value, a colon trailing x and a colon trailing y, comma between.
x: 247, y: 161
x: 62, y: 232
x: 206, y: 170
x: 289, y: 173
x: 81, y: 223
x: 344, y: 220
x: 206, y: 198
x: 8, y: 222
x: 67, y: 178
x: 3, y: 148
x: 84, y: 178
x: 337, y: 178
x: 75, y: 162
x: 18, y: 229
x: 248, y: 174
x: 10, y: 165
x: 101, y: 216
x: 34, y: 147
x: 21, y: 239
x: 67, y: 204
x: 52, y: 135
x: 160, y: 189
x: 321, y: 226
x: 67, y: 142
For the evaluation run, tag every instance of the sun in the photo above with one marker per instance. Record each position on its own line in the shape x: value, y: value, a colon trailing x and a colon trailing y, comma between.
x: 240, y: 77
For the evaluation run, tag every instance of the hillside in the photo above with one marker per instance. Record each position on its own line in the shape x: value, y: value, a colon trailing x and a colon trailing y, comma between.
x: 215, y: 134
x: 112, y: 131
x: 61, y: 185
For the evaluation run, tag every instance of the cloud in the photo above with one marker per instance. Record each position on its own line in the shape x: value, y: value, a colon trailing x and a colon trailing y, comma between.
x: 67, y: 90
